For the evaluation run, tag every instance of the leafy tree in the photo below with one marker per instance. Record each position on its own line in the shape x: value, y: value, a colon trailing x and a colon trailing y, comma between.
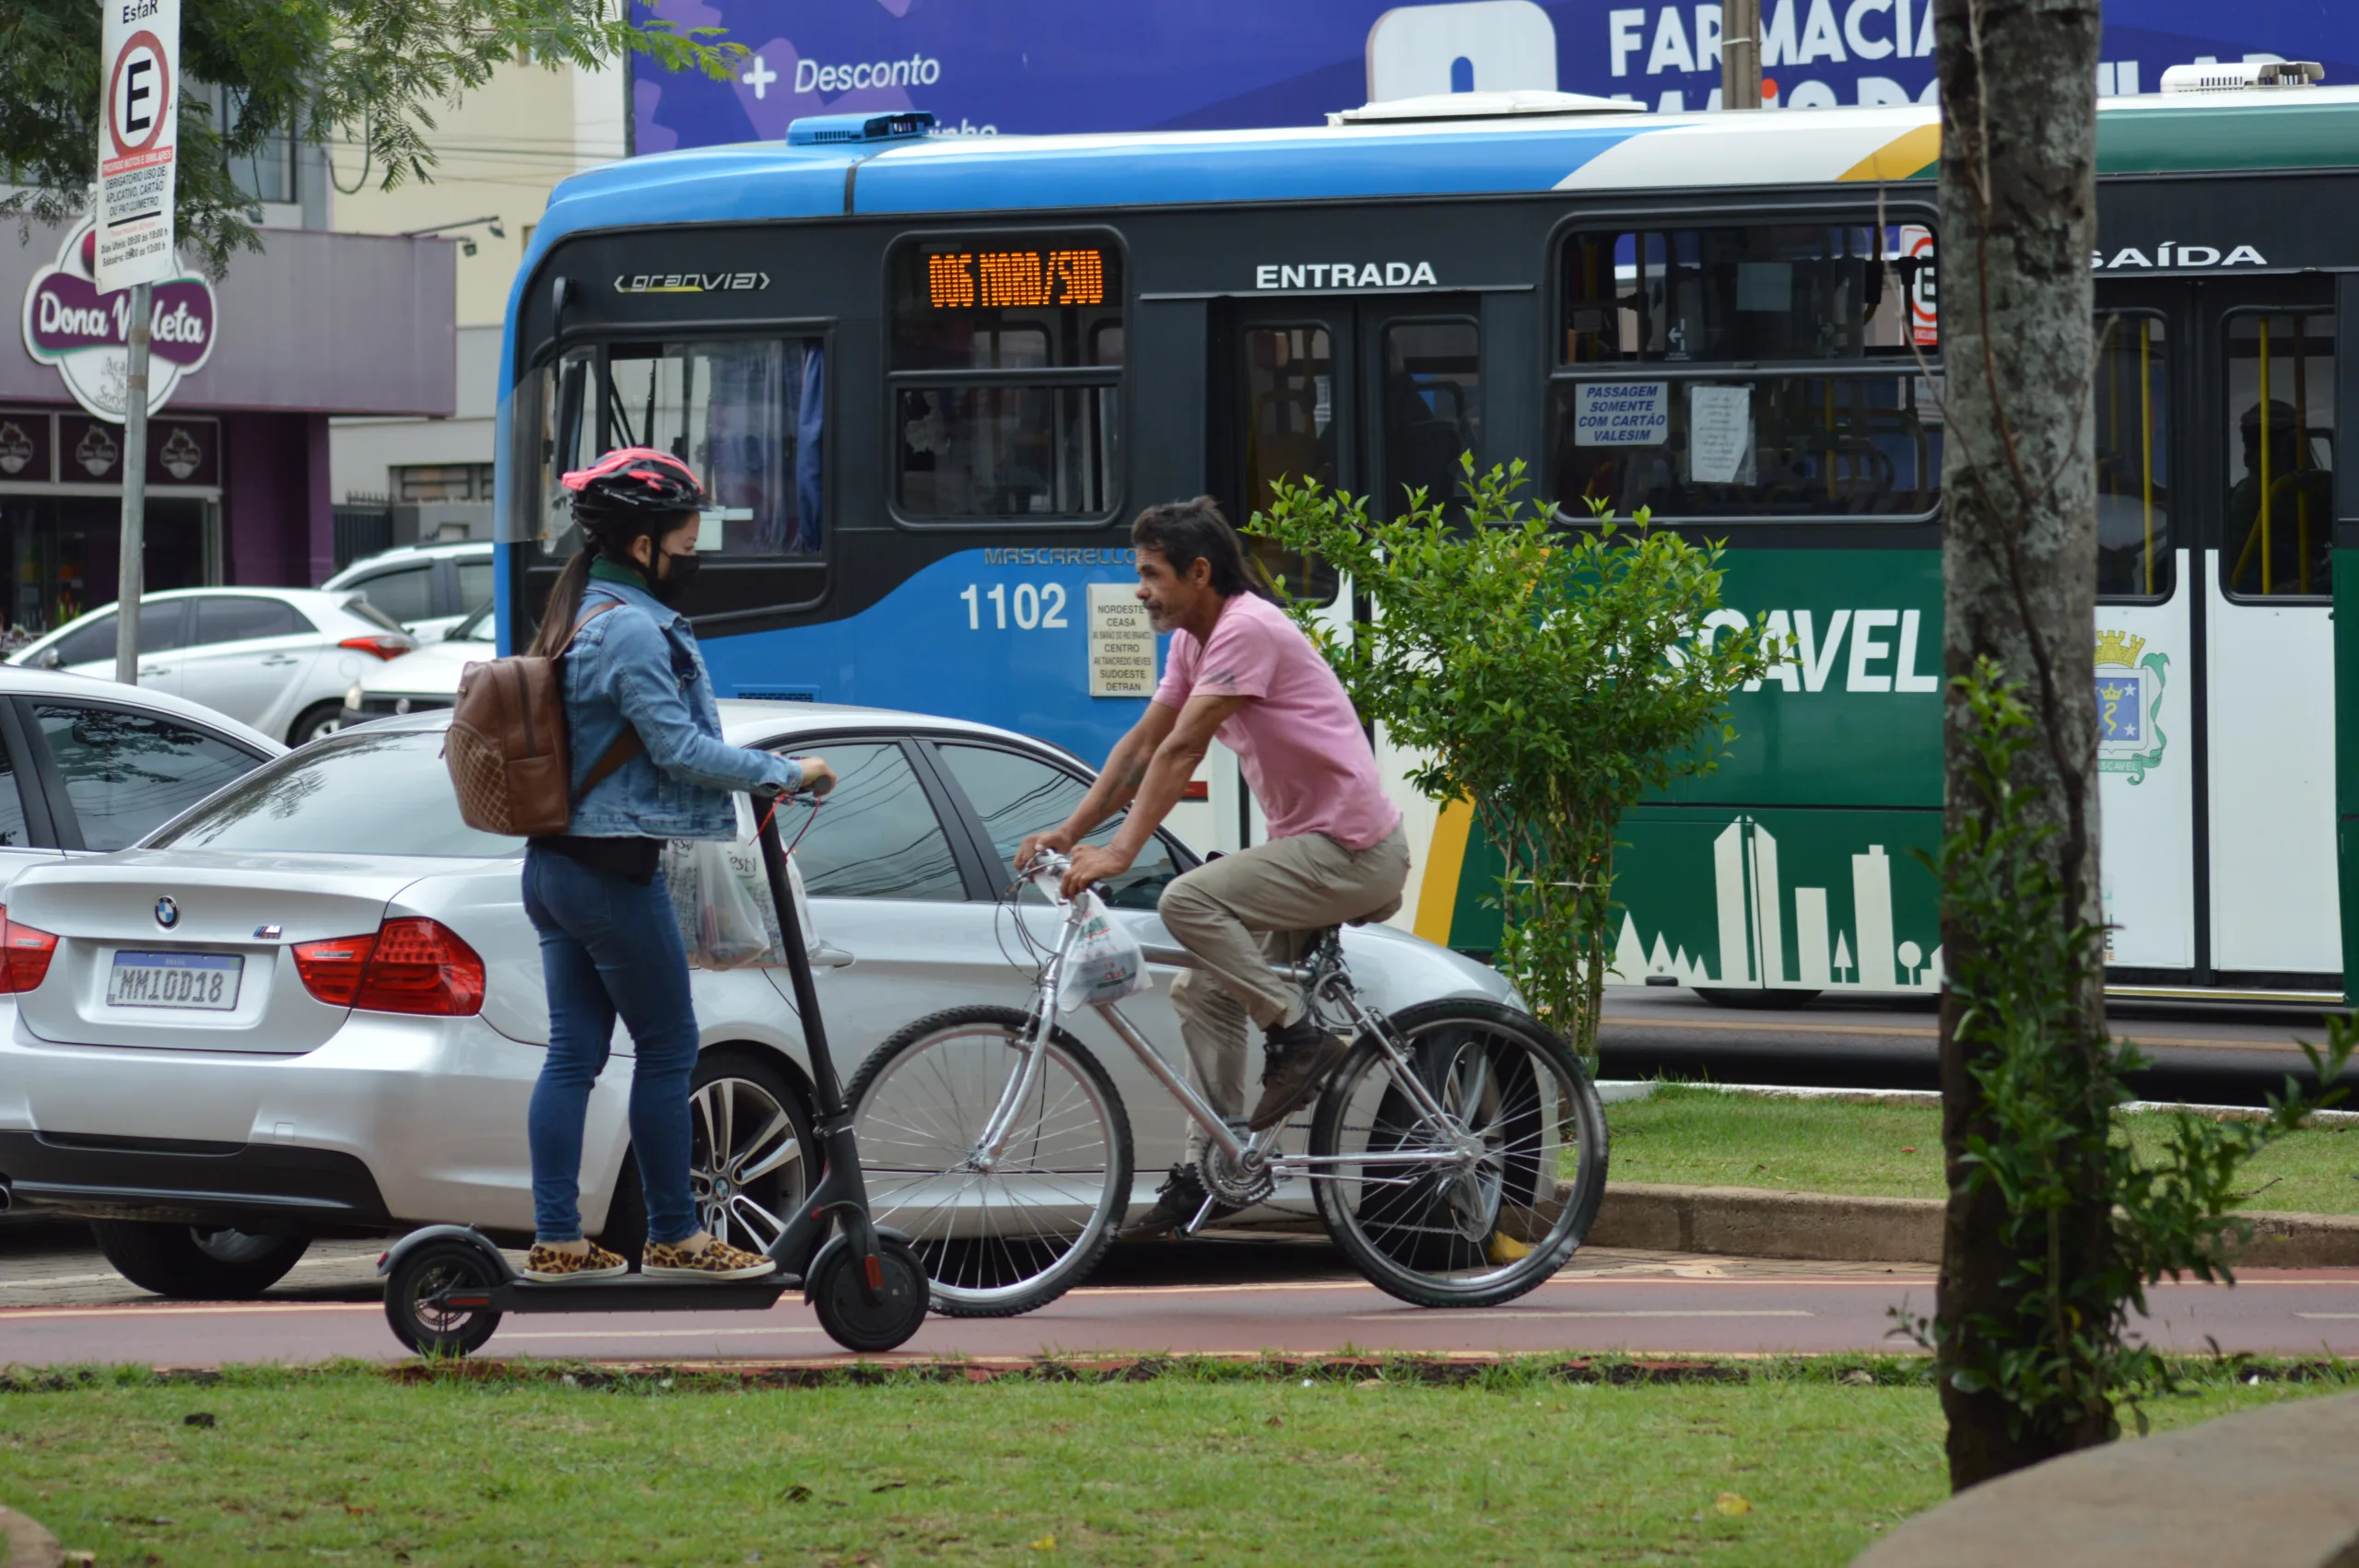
x: 1552, y: 676
x: 373, y: 71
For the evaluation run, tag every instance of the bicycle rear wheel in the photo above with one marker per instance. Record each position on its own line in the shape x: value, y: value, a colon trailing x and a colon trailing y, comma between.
x: 1009, y: 1235
x: 1521, y: 1141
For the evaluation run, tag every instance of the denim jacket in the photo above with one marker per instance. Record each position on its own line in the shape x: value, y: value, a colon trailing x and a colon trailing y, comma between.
x: 639, y: 665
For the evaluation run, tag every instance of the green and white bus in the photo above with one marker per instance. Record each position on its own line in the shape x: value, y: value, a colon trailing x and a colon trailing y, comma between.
x: 932, y: 377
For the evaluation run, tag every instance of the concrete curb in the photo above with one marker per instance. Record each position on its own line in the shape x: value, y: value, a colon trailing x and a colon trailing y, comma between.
x: 24, y: 1544
x: 2266, y: 1489
x: 1751, y: 1223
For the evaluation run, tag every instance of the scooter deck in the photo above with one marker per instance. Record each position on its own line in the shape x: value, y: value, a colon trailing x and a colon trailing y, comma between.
x: 632, y: 1293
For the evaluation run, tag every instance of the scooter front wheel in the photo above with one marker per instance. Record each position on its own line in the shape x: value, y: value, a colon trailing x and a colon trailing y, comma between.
x: 849, y: 1318
x: 417, y: 1303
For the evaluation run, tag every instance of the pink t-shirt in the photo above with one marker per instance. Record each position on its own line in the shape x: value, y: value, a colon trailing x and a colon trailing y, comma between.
x: 1299, y: 742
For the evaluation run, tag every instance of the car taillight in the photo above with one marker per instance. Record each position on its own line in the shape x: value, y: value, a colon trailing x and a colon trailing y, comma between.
x: 332, y: 970
x: 422, y: 966
x: 25, y: 953
x: 384, y: 645
x: 409, y: 965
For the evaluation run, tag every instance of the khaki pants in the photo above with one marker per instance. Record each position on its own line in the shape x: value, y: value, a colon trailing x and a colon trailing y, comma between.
x: 1242, y: 913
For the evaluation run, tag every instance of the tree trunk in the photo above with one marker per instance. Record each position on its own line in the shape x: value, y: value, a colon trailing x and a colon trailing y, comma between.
x: 2018, y: 211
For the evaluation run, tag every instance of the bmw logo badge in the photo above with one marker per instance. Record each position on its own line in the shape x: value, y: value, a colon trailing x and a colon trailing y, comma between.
x: 168, y: 914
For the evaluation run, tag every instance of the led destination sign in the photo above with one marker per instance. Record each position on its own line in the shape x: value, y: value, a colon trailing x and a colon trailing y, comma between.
x: 964, y: 280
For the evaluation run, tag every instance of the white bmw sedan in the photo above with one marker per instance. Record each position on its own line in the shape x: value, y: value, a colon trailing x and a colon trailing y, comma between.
x: 312, y: 1005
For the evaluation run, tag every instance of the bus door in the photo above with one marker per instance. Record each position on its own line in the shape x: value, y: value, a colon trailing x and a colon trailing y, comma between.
x: 2148, y: 654
x: 1374, y: 395
x: 2267, y: 414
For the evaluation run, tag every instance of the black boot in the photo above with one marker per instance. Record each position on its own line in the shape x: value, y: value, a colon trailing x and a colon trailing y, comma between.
x: 1176, y: 1202
x: 1298, y: 1056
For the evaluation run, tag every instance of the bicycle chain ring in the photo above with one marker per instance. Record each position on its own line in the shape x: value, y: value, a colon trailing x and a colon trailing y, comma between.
x: 1226, y: 1179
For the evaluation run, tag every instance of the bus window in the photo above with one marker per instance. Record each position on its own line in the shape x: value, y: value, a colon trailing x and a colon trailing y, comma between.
x: 1750, y: 292
x: 1433, y: 407
x: 1752, y: 446
x: 2134, y: 540
x: 1291, y: 434
x: 2278, y: 537
x: 1007, y: 357
x: 746, y: 413
x: 569, y: 427
x: 1828, y: 406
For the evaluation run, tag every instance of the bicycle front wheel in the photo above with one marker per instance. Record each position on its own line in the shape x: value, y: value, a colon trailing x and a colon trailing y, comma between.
x: 998, y: 1236
x: 1479, y: 1188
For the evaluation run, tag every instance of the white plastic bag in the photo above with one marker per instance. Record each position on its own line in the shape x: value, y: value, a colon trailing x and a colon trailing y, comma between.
x: 1105, y: 964
x: 720, y: 895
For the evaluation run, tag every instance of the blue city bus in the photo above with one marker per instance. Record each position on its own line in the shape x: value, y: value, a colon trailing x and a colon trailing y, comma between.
x: 929, y: 379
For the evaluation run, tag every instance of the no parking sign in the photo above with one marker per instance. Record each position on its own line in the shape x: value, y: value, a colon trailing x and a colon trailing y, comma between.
x: 138, y: 142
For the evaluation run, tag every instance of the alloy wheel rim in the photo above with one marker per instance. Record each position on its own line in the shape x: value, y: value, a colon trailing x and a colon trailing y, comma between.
x: 745, y: 1170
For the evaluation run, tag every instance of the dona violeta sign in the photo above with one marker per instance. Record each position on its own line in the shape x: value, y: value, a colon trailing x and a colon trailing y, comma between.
x: 86, y: 335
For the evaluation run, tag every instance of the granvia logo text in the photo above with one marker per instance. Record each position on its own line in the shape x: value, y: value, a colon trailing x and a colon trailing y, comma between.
x: 689, y: 282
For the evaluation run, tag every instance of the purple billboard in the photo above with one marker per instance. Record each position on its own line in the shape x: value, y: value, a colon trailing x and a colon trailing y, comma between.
x: 1046, y: 66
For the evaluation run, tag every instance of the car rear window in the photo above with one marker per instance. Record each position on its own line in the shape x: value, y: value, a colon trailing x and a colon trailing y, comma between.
x: 371, y: 792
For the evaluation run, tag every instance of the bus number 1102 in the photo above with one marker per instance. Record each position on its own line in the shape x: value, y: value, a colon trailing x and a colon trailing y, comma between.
x: 1035, y: 608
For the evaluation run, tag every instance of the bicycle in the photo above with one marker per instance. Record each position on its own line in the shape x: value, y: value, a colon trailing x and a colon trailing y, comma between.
x: 1457, y: 1156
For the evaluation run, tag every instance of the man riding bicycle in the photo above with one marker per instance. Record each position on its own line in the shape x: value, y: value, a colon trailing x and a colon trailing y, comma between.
x: 1239, y: 669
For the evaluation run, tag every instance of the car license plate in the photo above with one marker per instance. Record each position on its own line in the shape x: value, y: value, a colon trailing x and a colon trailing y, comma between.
x: 208, y: 980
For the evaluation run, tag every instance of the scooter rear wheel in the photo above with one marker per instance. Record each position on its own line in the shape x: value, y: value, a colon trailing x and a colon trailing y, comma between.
x: 417, y: 1304
x: 854, y: 1322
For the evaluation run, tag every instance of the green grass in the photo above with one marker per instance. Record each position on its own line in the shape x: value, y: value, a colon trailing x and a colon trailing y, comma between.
x: 349, y: 1465
x: 1704, y: 1137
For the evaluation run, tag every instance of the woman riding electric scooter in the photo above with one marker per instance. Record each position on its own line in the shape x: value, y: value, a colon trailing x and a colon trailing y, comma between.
x: 648, y: 765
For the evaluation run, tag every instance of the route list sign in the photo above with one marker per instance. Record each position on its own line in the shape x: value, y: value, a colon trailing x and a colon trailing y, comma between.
x: 138, y: 143
x: 1122, y: 642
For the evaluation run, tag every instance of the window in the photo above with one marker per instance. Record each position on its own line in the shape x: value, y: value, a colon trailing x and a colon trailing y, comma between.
x: 2278, y: 538
x: 2134, y: 558
x: 1008, y: 360
x: 128, y: 773
x: 12, y: 809
x: 1017, y: 795
x: 877, y: 837
x: 388, y: 794
x: 1753, y: 371
x: 748, y: 414
x: 226, y: 619
x: 406, y: 594
x: 1292, y: 427
x: 85, y: 644
x: 1433, y: 407
x: 160, y: 631
x: 475, y: 584
x: 260, y: 163
x: 442, y: 482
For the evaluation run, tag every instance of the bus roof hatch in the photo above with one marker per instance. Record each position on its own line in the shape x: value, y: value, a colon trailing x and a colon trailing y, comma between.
x: 817, y: 130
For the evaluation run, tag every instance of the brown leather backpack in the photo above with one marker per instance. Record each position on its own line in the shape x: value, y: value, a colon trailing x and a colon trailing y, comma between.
x: 506, y: 746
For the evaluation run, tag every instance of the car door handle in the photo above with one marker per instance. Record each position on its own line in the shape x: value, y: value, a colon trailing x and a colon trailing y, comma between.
x: 277, y: 660
x: 825, y: 958
x: 146, y: 670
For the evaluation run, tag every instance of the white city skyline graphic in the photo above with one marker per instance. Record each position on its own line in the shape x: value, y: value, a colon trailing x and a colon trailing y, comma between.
x: 1749, y: 900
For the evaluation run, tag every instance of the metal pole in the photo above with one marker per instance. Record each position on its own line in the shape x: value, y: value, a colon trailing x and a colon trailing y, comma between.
x: 135, y: 491
x: 1741, y: 53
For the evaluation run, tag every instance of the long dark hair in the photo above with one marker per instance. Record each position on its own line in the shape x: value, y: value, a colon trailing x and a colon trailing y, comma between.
x: 1184, y: 533
x: 611, y: 537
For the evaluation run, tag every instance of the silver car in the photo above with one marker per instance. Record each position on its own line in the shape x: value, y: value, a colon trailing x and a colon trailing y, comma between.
x: 278, y: 659
x: 313, y: 1006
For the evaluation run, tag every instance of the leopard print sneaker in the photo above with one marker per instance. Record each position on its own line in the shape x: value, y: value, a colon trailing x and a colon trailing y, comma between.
x: 552, y: 1265
x: 716, y: 1259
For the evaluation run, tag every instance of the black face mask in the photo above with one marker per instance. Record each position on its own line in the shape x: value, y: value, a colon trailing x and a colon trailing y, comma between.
x: 678, y: 578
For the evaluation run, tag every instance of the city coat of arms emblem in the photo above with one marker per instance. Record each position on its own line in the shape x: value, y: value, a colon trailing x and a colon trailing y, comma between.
x: 2129, y: 705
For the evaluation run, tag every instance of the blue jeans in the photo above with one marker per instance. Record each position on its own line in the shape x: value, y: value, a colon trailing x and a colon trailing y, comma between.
x: 610, y: 946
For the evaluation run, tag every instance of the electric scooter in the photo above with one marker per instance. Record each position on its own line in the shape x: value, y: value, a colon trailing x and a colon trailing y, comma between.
x: 447, y: 1286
